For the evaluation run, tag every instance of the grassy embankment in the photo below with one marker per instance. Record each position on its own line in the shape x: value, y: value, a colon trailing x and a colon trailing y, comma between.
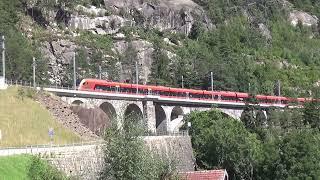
x: 14, y: 167
x: 25, y: 167
x: 23, y: 121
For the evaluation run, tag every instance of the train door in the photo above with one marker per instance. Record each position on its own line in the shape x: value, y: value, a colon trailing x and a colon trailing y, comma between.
x: 188, y: 95
x: 117, y: 89
x: 149, y: 91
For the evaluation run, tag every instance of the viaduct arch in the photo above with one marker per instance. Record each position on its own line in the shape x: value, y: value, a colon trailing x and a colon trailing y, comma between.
x: 133, y: 112
x: 109, y: 110
x: 76, y: 103
x: 161, y: 119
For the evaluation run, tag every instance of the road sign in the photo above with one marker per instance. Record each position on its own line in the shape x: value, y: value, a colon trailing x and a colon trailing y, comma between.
x: 51, y: 133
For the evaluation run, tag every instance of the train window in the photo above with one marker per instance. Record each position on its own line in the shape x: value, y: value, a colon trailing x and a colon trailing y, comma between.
x: 180, y: 94
x: 127, y: 90
x: 102, y: 88
x: 207, y: 96
x: 228, y: 98
x: 195, y: 95
x: 98, y: 88
x: 143, y: 91
x: 156, y: 93
x: 164, y: 93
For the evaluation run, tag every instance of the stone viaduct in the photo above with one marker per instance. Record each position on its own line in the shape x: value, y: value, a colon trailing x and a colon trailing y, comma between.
x: 159, y: 117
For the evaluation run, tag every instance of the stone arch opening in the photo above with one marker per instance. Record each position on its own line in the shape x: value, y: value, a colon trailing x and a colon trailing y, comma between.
x: 176, y: 112
x: 77, y: 103
x: 161, y: 117
x: 109, y: 110
x: 261, y: 118
x: 99, y: 118
x: 254, y: 117
x: 226, y: 115
x: 133, y: 112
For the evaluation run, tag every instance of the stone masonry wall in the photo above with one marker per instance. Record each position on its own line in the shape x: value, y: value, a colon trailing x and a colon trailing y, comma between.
x: 86, y: 161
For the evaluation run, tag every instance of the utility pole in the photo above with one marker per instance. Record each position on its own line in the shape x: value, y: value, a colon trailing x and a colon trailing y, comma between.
x: 74, y: 72
x: 182, y: 82
x: 212, y: 83
x: 279, y: 88
x: 3, y: 58
x: 34, y: 71
x: 100, y: 71
x: 137, y: 76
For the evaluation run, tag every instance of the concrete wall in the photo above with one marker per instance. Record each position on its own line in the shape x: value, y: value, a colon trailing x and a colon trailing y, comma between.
x: 82, y: 161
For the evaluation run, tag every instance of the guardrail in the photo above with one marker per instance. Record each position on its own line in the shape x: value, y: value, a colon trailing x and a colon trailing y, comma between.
x: 41, y: 148
x: 30, y: 85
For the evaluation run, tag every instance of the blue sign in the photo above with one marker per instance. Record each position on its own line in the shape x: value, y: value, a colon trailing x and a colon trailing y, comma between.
x: 51, y: 133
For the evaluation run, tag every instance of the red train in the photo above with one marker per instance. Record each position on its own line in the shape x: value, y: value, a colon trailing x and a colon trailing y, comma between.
x: 108, y: 86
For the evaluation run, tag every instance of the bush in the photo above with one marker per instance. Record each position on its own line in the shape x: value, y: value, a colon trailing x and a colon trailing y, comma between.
x: 39, y: 170
x: 26, y: 93
x: 126, y: 157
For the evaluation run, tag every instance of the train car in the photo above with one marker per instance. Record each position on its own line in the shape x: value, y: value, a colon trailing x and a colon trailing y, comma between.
x: 162, y: 91
x: 93, y: 84
x: 195, y: 94
x: 242, y: 97
x: 179, y: 92
x: 212, y: 95
x: 272, y: 99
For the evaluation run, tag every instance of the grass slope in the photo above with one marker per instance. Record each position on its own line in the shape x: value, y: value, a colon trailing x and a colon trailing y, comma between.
x: 14, y: 167
x: 26, y: 122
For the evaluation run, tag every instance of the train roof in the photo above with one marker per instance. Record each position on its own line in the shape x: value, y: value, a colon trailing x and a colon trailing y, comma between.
x: 194, y: 91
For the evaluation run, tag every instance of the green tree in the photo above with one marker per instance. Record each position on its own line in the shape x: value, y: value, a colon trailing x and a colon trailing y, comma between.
x: 160, y: 66
x: 223, y: 142
x: 128, y: 60
x: 248, y: 117
x: 126, y: 156
x: 311, y: 114
x: 295, y: 156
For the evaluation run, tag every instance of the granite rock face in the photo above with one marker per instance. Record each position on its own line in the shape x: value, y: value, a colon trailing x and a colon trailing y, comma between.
x: 171, y: 15
x: 174, y: 15
x: 60, y: 54
x: 164, y: 15
x: 144, y: 50
x: 306, y: 19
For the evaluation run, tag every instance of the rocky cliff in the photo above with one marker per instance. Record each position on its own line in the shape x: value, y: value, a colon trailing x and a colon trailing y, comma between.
x: 62, y: 29
x: 119, y: 33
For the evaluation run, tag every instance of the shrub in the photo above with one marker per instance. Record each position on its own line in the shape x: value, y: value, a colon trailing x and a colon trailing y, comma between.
x: 26, y: 93
x: 39, y: 170
x: 126, y: 156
